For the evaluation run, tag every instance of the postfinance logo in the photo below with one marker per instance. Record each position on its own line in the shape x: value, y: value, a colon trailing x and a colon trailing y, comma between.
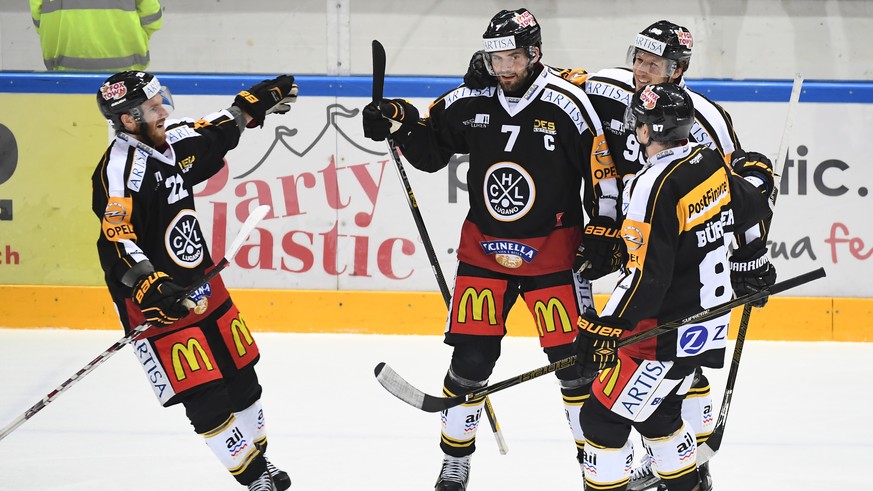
x: 188, y: 357
x: 545, y: 315
x: 477, y: 311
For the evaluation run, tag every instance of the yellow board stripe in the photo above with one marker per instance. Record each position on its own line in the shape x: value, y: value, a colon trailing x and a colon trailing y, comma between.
x: 420, y: 313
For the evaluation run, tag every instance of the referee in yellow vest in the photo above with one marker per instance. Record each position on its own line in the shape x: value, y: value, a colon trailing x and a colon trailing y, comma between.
x: 95, y: 35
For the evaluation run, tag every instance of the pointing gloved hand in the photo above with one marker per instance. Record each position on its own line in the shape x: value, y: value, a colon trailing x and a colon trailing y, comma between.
x: 477, y: 76
x: 751, y: 270
x: 162, y: 302
x: 596, y: 344
x: 389, y: 118
x: 602, y: 250
x: 267, y: 97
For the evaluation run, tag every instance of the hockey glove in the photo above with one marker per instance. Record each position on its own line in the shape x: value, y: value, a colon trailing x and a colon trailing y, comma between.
x: 267, y: 97
x: 751, y: 270
x: 162, y: 302
x: 389, y: 118
x: 602, y: 250
x: 755, y: 168
x: 596, y: 343
x: 477, y: 76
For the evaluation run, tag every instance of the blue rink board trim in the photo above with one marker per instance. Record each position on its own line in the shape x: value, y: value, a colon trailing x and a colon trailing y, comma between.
x: 858, y: 92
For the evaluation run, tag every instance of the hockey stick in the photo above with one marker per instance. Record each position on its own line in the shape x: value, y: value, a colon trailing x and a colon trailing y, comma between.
x: 379, y: 59
x: 403, y: 390
x: 256, y: 216
x: 709, y: 448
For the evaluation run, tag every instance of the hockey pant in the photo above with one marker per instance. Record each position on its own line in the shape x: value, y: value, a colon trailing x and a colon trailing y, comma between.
x: 476, y: 326
x: 646, y: 395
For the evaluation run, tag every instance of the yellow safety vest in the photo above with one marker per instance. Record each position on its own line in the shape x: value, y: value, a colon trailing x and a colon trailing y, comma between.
x: 95, y: 35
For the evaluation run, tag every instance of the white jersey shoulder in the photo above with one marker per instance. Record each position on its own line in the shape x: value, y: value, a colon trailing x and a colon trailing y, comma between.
x: 711, y: 127
x: 553, y: 92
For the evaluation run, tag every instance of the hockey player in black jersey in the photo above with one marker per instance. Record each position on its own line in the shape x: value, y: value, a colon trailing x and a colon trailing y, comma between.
x: 662, y: 53
x: 199, y: 351
x: 681, y: 211
x: 537, y: 157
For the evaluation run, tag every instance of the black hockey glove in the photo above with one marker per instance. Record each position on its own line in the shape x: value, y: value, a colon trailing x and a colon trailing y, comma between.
x: 602, y: 250
x: 477, y: 76
x: 267, y: 97
x: 755, y: 168
x: 751, y: 270
x: 162, y: 302
x: 389, y: 118
x: 596, y: 343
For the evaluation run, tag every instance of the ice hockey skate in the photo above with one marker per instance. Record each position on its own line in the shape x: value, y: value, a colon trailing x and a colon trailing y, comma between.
x: 642, y: 476
x: 454, y: 474
x: 263, y: 483
x: 280, y: 478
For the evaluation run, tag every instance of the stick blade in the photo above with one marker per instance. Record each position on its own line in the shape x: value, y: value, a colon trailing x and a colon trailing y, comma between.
x: 378, y: 70
x: 406, y: 392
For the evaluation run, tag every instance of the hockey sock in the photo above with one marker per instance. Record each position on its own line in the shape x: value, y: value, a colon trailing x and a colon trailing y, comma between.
x: 574, y: 398
x: 607, y: 468
x: 235, y: 448
x: 697, y: 408
x: 459, y: 424
x: 674, y: 458
x: 251, y: 419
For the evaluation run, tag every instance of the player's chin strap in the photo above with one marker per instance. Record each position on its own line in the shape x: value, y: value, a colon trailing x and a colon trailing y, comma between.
x: 251, y: 222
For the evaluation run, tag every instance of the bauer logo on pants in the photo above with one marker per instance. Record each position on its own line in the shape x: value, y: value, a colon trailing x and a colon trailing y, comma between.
x: 184, y: 240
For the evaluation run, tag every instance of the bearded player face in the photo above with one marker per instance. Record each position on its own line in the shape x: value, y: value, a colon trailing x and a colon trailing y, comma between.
x: 512, y: 68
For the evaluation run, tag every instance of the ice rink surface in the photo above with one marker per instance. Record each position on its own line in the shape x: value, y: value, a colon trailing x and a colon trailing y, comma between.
x: 799, y: 418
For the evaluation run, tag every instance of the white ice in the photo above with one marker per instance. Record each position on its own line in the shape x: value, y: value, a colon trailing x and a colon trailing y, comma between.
x: 799, y: 418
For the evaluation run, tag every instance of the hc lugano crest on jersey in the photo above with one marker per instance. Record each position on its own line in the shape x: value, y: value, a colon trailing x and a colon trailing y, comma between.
x: 184, y: 240
x: 509, y: 191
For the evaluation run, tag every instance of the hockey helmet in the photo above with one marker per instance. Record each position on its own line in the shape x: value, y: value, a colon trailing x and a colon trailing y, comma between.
x: 667, y: 109
x: 664, y: 39
x: 125, y: 93
x: 511, y: 29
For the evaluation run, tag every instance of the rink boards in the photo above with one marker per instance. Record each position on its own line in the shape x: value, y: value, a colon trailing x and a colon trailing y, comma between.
x: 341, y: 253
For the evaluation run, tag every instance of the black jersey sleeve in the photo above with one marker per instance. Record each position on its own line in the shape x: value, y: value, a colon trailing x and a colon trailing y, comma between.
x: 435, y: 139
x: 201, y: 145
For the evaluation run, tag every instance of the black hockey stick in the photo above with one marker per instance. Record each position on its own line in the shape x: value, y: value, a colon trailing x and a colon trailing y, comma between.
x: 403, y: 390
x: 713, y: 443
x: 256, y: 216
x: 379, y: 59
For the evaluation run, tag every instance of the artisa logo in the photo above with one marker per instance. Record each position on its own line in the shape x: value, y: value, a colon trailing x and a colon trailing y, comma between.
x: 184, y: 240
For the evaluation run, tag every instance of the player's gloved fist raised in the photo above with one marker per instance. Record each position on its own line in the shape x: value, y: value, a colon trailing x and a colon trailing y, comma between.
x: 755, y: 168
x: 162, y: 302
x: 477, y: 76
x: 602, y: 250
x: 596, y: 344
x: 751, y: 270
x: 389, y: 118
x: 267, y: 97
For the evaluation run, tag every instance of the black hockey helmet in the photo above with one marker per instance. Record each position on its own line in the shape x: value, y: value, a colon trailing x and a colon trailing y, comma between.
x: 511, y: 29
x: 125, y: 92
x: 665, y: 39
x: 667, y: 109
